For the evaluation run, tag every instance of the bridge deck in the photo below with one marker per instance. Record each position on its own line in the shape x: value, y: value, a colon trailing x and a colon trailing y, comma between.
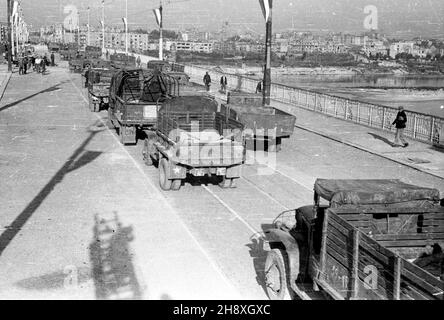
x: 60, y: 167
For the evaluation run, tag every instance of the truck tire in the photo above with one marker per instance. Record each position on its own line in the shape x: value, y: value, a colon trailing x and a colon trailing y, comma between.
x: 276, y: 276
x: 164, y: 182
x: 225, y: 183
x: 176, y: 185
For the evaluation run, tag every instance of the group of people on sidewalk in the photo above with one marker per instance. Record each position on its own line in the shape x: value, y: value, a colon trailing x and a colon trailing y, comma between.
x: 38, y: 63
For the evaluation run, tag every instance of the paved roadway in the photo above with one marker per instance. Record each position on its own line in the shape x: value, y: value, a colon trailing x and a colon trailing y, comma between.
x: 60, y: 167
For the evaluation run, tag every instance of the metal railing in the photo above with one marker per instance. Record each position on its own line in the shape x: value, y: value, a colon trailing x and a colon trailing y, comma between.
x: 420, y: 126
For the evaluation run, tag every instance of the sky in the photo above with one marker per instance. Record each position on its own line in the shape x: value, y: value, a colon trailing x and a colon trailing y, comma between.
x: 395, y: 17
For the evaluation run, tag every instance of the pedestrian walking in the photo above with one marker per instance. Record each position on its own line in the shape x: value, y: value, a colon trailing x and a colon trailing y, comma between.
x: 139, y: 62
x: 259, y: 87
x: 21, y: 66
x: 43, y: 65
x: 207, y: 81
x: 87, y: 76
x: 400, y: 123
x: 223, y: 84
x: 52, y: 59
x: 25, y: 65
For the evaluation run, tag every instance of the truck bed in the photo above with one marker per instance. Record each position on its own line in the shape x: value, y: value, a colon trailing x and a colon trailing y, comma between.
x: 198, y: 134
x: 363, y: 259
x: 262, y: 121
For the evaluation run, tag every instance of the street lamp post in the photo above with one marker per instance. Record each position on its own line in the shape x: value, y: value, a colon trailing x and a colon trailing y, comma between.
x: 161, y: 32
x: 88, y: 27
x: 267, y: 71
x: 126, y: 27
x: 9, y: 35
x: 103, y: 25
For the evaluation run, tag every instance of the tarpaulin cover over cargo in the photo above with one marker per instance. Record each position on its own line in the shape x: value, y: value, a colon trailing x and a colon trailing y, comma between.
x: 367, y: 192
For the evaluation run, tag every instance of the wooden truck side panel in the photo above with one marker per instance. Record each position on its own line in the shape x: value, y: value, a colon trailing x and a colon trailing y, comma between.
x: 355, y: 266
x: 262, y: 121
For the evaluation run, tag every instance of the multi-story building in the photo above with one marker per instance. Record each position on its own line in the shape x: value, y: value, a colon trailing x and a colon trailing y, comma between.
x: 115, y: 39
x: 401, y: 47
x: 202, y: 47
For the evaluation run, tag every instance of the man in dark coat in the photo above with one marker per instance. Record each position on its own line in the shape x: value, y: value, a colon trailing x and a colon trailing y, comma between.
x: 25, y: 64
x: 223, y: 84
x: 400, y: 123
x: 207, y: 81
x: 52, y: 59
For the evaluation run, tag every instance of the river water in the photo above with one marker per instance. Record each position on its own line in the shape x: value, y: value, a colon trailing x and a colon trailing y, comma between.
x: 418, y: 93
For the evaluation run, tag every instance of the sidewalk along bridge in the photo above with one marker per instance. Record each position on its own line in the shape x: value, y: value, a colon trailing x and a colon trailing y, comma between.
x: 421, y: 127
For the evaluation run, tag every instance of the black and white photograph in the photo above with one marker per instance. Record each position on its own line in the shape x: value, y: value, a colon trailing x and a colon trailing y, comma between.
x: 232, y: 152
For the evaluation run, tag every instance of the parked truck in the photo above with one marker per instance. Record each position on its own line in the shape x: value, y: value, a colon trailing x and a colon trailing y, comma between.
x: 192, y: 138
x: 99, y: 81
x: 371, y: 239
x: 173, y: 69
x: 135, y: 95
x: 262, y: 123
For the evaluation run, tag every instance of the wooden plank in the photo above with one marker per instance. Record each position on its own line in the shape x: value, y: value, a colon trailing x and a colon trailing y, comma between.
x: 432, y: 222
x: 324, y: 241
x: 402, y: 237
x: 341, y: 222
x: 338, y: 227
x: 340, y: 235
x: 355, y: 263
x: 356, y: 217
x: 407, y: 243
x: 381, y: 258
x: 421, y: 284
x: 332, y: 251
x: 424, y: 275
x: 433, y: 229
x: 397, y: 279
x: 377, y: 246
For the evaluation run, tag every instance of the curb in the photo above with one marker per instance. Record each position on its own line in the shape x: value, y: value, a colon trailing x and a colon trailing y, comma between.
x: 359, y: 147
x: 5, y: 84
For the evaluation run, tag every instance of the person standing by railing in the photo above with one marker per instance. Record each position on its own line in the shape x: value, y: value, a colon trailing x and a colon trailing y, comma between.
x: 400, y: 122
x: 207, y: 81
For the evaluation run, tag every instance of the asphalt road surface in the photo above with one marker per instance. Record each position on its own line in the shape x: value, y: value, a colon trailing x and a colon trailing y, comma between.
x: 82, y: 217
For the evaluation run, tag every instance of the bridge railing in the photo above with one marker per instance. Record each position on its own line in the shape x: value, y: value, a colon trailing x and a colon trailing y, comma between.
x: 420, y: 126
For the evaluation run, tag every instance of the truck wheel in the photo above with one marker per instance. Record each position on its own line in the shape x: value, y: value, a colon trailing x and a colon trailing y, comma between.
x: 176, y: 185
x: 164, y: 182
x: 276, y: 276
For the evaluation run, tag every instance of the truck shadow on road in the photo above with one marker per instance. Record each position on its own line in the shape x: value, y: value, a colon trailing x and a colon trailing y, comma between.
x: 50, y: 89
x: 111, y: 260
x: 78, y: 159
